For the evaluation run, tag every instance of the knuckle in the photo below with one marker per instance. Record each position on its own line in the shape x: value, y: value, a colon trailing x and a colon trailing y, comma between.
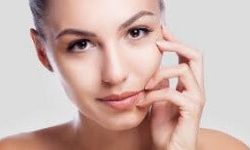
x: 164, y: 73
x: 201, y: 104
x: 198, y: 102
x: 184, y: 68
x: 196, y: 108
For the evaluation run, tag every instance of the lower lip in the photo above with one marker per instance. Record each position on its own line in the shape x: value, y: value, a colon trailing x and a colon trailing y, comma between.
x: 124, y: 104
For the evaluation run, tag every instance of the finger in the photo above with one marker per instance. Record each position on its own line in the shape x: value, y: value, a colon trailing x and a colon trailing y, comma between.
x: 181, y: 70
x: 163, y: 110
x: 161, y: 85
x: 168, y: 95
x: 186, y: 55
x: 166, y: 34
x: 180, y: 49
x: 185, y: 104
x: 164, y: 116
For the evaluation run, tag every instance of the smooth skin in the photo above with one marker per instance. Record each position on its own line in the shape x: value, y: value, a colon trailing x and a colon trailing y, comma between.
x: 166, y: 118
x: 167, y: 134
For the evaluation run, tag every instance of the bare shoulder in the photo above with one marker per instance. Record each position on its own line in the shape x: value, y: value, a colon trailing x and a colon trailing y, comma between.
x: 17, y: 142
x: 47, y: 138
x: 216, y: 140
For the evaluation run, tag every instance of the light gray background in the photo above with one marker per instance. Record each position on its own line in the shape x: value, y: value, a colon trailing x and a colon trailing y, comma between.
x: 32, y: 98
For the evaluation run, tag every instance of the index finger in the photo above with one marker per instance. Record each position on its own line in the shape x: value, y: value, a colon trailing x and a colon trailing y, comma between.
x: 166, y: 34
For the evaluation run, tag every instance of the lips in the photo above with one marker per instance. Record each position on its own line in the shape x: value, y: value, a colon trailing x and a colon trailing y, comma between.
x: 118, y: 97
x: 122, y: 102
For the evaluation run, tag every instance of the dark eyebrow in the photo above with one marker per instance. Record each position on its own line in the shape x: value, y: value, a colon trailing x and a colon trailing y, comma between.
x: 91, y: 34
x: 76, y: 32
x: 135, y: 17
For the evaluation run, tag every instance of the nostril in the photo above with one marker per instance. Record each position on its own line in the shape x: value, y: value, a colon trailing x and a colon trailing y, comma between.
x: 106, y: 83
x: 115, y: 80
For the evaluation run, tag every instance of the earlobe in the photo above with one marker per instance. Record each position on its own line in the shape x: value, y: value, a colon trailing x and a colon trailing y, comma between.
x: 40, y: 49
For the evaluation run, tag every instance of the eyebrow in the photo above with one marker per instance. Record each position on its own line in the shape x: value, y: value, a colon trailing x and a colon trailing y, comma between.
x: 91, y: 34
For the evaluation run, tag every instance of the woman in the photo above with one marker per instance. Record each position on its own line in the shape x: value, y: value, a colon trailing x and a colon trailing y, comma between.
x: 93, y: 47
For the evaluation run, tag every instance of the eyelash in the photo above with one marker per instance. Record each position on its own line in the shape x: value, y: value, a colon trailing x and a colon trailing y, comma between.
x: 75, y: 43
x: 72, y: 45
x: 146, y: 30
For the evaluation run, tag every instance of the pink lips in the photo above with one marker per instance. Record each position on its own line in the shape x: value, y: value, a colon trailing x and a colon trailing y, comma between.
x: 124, y: 101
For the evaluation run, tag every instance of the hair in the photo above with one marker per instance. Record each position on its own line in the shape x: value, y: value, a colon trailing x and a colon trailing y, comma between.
x: 38, y: 10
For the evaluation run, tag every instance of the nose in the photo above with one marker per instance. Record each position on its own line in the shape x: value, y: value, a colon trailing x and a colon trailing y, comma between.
x: 113, y: 71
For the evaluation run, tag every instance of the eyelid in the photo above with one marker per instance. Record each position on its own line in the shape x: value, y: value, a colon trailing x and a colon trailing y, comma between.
x: 73, y: 43
x: 94, y: 42
x: 139, y: 26
x: 145, y: 27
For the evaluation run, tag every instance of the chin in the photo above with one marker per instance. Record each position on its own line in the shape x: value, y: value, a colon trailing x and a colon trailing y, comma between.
x: 125, y: 121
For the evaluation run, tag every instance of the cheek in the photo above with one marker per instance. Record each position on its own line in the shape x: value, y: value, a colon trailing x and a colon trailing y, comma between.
x: 145, y: 60
x: 80, y: 80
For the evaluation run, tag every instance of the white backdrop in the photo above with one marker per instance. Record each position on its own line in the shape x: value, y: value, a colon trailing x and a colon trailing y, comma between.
x: 32, y: 98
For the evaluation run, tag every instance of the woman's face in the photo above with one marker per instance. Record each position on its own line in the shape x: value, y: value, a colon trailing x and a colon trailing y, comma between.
x: 97, y: 50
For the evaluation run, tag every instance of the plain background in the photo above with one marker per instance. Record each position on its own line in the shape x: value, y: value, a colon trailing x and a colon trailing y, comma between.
x: 32, y: 98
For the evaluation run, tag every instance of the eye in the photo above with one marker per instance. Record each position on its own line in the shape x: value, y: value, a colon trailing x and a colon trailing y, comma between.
x: 79, y: 45
x: 137, y: 33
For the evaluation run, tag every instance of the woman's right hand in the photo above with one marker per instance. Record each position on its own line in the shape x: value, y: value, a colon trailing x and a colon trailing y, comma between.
x: 175, y: 113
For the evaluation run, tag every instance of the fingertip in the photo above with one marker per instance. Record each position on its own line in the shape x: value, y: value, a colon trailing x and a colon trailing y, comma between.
x: 160, y: 42
x: 162, y: 45
x: 142, y: 103
x: 167, y: 35
x: 149, y: 85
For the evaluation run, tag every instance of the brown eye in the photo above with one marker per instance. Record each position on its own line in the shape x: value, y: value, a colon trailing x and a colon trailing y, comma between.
x: 137, y: 33
x: 79, y: 45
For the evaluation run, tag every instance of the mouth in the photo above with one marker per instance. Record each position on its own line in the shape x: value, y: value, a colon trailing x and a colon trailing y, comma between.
x: 123, y: 101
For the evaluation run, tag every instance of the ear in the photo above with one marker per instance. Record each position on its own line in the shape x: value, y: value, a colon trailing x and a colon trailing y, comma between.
x: 40, y: 49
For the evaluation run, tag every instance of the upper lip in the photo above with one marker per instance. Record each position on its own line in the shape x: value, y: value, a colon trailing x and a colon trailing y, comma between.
x: 117, y: 97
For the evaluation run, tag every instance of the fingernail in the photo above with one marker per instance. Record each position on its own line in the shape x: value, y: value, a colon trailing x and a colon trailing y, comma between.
x: 160, y: 42
x: 149, y: 85
x: 163, y: 28
x: 141, y: 104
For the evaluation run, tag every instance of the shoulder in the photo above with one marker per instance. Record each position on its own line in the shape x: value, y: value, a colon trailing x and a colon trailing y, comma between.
x: 47, y: 138
x: 18, y: 142
x: 216, y: 140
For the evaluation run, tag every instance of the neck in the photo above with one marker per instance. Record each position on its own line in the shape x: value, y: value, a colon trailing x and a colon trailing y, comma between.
x: 91, y: 136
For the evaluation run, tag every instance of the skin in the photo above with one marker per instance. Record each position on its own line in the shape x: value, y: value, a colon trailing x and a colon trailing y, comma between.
x: 109, y: 64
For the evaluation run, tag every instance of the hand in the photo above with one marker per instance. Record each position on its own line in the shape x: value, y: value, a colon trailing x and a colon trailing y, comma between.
x: 175, y: 113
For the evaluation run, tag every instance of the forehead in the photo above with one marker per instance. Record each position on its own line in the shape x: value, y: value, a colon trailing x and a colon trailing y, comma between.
x: 95, y: 13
